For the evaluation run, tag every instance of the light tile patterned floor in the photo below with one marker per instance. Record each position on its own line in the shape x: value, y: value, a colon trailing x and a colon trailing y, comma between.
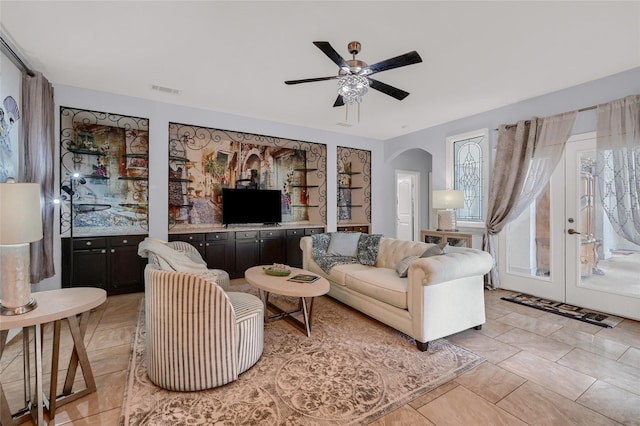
x: 540, y: 369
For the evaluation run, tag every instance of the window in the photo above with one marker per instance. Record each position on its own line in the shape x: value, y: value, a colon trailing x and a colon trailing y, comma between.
x: 468, y: 170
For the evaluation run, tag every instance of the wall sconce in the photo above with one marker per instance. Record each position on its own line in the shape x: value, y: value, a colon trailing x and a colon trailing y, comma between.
x: 446, y: 202
x: 20, y: 224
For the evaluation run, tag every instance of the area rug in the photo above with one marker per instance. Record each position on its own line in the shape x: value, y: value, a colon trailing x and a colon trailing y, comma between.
x: 569, y: 311
x: 351, y: 370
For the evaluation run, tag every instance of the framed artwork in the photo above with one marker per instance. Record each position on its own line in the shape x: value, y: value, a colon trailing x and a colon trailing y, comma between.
x: 103, y: 173
x: 10, y: 101
x: 203, y: 161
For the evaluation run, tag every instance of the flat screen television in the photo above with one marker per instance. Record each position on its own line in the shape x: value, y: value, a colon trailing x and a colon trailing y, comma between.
x: 241, y: 206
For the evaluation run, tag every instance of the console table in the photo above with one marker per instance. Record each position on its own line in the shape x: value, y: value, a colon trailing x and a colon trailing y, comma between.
x: 74, y: 306
x: 454, y: 238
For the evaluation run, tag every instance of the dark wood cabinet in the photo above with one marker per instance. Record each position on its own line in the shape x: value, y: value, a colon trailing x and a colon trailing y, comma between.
x: 237, y: 251
x: 111, y: 263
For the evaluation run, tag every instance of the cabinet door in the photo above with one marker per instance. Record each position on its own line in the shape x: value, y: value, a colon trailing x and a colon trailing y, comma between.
x: 272, y: 247
x: 247, y: 255
x: 220, y: 251
x: 125, y: 266
x: 84, y: 264
x: 293, y: 253
x: 90, y: 268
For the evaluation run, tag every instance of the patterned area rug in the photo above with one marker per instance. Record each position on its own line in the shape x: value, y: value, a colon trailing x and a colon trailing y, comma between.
x: 569, y: 311
x: 351, y: 370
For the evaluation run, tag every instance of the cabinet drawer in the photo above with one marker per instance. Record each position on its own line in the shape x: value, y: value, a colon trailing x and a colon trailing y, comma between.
x: 89, y: 243
x: 295, y: 232
x: 312, y: 231
x: 246, y: 235
x: 272, y: 234
x: 126, y: 240
x: 216, y: 236
x: 189, y: 238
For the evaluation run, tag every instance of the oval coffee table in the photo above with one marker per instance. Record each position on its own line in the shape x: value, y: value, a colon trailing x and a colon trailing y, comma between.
x: 268, y: 284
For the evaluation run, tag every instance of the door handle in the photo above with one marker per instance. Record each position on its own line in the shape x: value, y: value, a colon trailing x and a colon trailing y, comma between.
x: 572, y: 231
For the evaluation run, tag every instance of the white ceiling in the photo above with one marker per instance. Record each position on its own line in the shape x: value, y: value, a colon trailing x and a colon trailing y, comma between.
x: 234, y: 56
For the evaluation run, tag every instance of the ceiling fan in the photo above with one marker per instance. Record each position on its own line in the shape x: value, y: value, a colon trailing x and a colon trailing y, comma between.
x: 353, y: 75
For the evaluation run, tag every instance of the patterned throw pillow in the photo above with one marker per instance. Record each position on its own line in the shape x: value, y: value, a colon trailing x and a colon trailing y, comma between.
x: 402, y: 268
x: 442, y: 248
x: 368, y: 246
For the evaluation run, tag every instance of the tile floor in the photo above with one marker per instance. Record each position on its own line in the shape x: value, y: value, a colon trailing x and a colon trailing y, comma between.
x: 540, y: 369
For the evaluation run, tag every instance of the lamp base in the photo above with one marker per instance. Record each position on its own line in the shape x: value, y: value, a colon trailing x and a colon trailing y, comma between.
x: 30, y: 306
x: 447, y: 220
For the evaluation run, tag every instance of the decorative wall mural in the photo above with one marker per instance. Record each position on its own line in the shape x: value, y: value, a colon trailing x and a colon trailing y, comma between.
x: 202, y: 161
x: 9, y: 116
x: 103, y: 173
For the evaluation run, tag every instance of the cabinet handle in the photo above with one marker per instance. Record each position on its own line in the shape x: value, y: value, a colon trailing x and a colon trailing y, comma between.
x: 217, y: 236
x: 113, y: 250
x: 103, y: 251
x: 207, y: 244
x: 88, y: 243
x: 190, y: 238
x: 124, y: 241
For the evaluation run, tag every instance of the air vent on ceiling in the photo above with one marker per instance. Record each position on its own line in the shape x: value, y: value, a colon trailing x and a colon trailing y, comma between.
x: 165, y: 89
x: 344, y: 124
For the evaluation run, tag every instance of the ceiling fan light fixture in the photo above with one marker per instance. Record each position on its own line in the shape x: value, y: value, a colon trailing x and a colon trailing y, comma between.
x: 352, y: 88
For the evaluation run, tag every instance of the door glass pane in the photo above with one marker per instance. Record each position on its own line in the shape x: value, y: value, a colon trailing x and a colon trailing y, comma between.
x: 607, y: 261
x: 528, y: 250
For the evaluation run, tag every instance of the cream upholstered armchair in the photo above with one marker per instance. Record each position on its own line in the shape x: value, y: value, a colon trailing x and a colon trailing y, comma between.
x: 198, y: 336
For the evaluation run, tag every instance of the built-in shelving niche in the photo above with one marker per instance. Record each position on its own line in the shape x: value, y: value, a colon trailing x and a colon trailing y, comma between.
x: 109, y: 152
x: 354, y: 187
x: 203, y: 160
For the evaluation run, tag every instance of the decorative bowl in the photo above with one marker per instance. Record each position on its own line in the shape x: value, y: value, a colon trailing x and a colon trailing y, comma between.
x: 277, y: 272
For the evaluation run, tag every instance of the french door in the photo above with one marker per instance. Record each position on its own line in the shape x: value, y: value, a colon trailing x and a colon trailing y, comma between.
x: 563, y: 247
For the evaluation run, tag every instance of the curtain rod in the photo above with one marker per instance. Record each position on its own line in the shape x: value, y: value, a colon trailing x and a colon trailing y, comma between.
x: 14, y: 57
x: 508, y: 126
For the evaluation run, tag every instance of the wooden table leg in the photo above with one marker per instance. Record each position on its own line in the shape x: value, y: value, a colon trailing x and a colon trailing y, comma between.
x: 78, y: 357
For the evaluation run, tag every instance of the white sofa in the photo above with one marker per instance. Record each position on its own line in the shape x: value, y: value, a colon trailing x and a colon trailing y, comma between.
x: 441, y: 295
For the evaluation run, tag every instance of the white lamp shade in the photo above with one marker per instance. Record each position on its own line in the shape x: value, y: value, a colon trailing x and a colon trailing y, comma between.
x: 20, y: 213
x: 448, y: 199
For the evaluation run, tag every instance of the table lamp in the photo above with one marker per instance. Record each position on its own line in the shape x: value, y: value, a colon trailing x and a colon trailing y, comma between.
x: 446, y: 202
x: 20, y: 224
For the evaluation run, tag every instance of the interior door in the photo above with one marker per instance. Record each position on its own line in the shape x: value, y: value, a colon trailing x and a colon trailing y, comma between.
x: 406, y: 214
x: 563, y: 248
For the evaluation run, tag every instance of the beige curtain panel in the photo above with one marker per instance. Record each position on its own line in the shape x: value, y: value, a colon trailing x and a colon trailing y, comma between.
x: 527, y: 154
x: 618, y: 164
x: 39, y: 140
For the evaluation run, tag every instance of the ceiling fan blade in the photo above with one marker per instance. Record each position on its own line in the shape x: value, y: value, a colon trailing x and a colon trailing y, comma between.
x: 389, y: 64
x: 331, y: 53
x: 339, y: 102
x: 310, y: 80
x: 388, y: 90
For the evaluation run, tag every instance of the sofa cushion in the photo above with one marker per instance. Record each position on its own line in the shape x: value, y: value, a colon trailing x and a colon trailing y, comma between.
x: 382, y: 284
x: 338, y: 273
x: 437, y: 250
x: 368, y: 245
x: 402, y: 268
x: 344, y: 244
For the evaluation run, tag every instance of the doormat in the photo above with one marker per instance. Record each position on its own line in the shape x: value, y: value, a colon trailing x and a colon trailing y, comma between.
x: 569, y: 311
